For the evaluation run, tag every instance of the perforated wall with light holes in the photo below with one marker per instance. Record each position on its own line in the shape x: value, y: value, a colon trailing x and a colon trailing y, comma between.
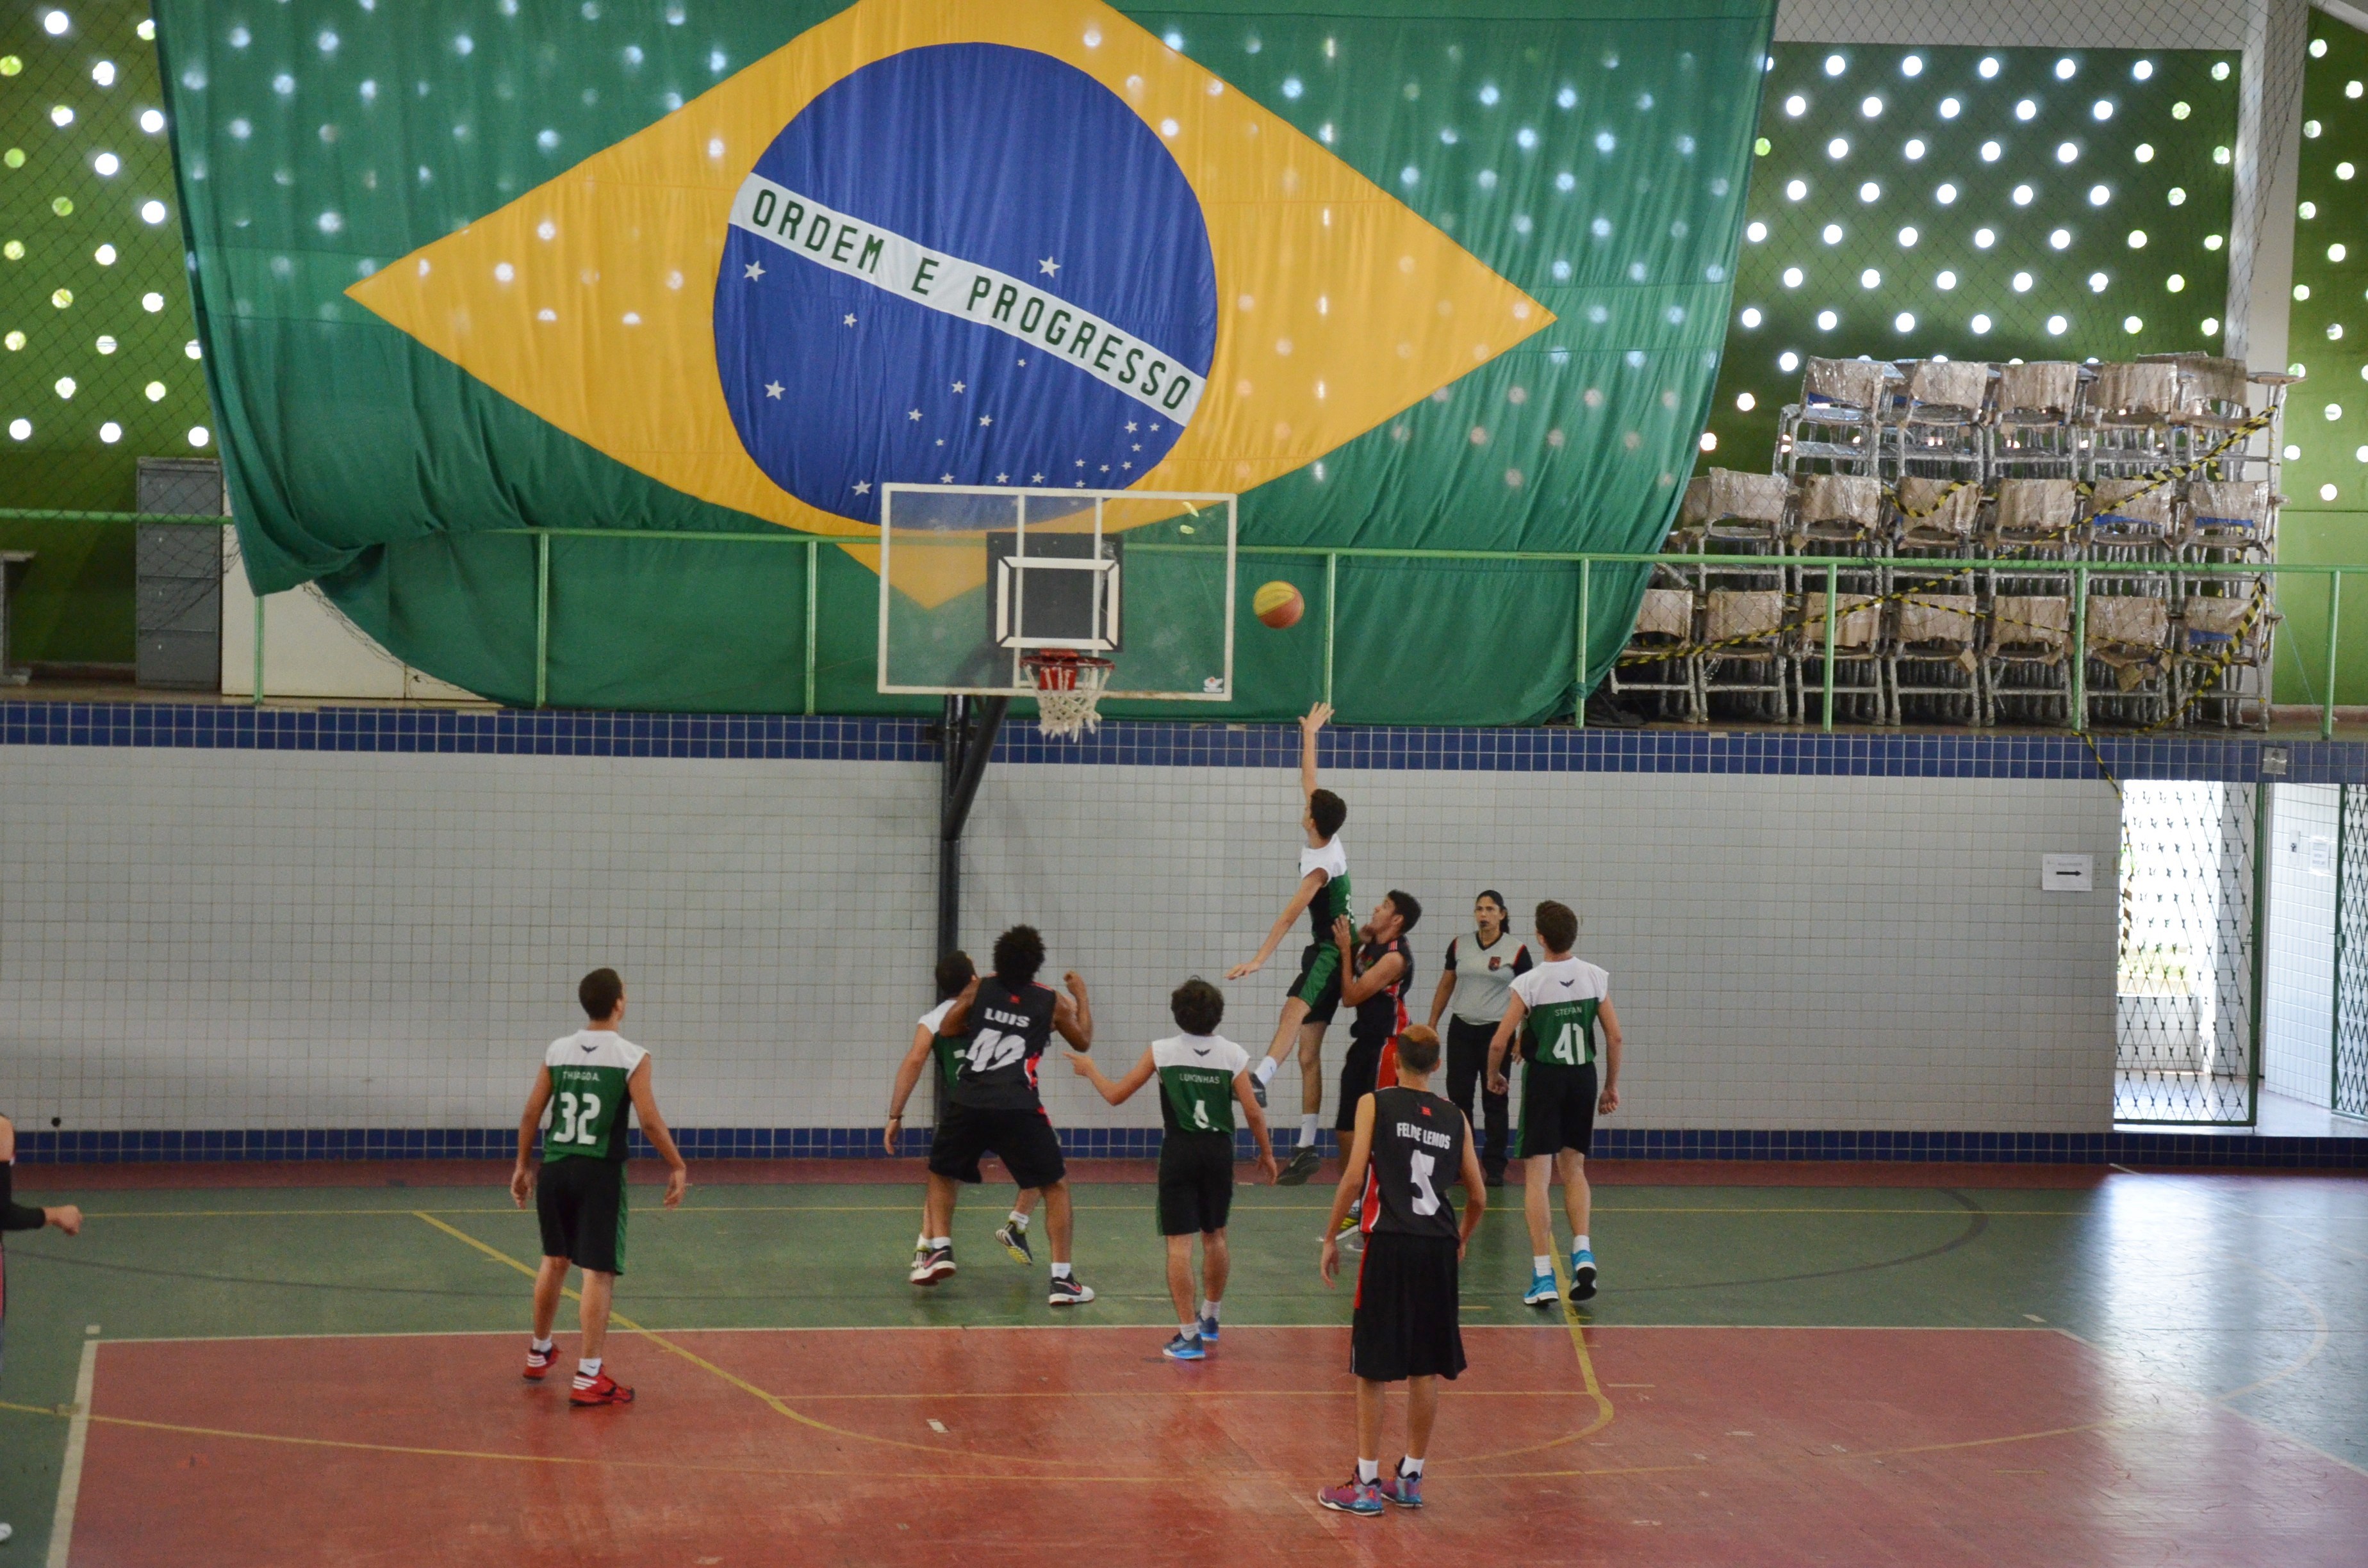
x: 2327, y: 425
x: 99, y: 368
x: 1988, y: 204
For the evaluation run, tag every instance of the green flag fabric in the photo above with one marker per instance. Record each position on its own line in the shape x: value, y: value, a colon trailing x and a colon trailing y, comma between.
x: 1437, y: 276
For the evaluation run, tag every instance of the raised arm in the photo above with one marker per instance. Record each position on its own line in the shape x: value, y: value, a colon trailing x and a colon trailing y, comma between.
x: 653, y: 1127
x: 1121, y: 1091
x: 957, y: 1018
x: 908, y: 1076
x: 1309, y: 886
x: 1499, y: 1044
x: 522, y: 1174
x: 1355, y: 987
x: 1352, y: 1181
x: 1074, y: 1015
x: 1608, y: 1100
x: 1254, y: 1117
x: 1317, y: 717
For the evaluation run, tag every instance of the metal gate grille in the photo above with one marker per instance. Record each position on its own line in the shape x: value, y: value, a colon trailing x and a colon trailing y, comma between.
x: 2187, y: 984
x: 2350, y: 1097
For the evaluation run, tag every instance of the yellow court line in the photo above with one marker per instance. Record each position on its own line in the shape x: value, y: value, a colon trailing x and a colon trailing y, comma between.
x: 1592, y: 1389
x: 770, y: 1401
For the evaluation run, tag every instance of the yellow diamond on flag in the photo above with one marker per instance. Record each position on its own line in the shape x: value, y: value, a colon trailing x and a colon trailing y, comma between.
x: 596, y: 301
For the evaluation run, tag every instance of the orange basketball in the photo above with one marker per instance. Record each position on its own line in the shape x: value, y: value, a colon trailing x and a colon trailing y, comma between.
x: 1278, y: 605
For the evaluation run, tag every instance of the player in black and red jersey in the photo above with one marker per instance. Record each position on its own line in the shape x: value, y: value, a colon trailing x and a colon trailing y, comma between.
x: 994, y: 1106
x: 1409, y: 1146
x: 1377, y: 971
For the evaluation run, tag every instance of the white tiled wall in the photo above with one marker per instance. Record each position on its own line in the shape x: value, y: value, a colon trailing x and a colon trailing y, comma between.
x: 201, y: 939
x: 2298, y: 960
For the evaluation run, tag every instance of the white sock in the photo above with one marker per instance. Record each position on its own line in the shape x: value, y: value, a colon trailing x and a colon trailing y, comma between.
x: 1187, y: 1331
x: 542, y: 1346
x: 1542, y: 1264
x: 1264, y: 1070
x: 588, y: 1368
x: 1369, y: 1470
x: 1307, y: 1130
x: 1018, y: 1221
x: 1209, y: 1309
x: 1410, y: 1468
x: 936, y: 1241
x: 922, y: 1241
x: 1060, y: 1271
x: 1579, y: 1244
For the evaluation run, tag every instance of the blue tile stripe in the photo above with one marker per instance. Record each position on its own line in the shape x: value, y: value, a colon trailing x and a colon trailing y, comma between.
x: 1143, y: 1143
x: 1555, y: 749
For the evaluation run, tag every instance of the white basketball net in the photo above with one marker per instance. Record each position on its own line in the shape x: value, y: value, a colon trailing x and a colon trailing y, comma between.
x: 1068, y: 694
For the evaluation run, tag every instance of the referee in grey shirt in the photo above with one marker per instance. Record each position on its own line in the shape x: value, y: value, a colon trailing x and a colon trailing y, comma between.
x: 1478, y: 976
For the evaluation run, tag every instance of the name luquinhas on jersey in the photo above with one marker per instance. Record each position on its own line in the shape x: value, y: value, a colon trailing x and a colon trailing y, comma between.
x: 1416, y: 1134
x: 969, y: 289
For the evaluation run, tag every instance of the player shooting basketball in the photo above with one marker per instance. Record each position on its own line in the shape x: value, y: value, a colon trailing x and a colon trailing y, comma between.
x: 1323, y: 896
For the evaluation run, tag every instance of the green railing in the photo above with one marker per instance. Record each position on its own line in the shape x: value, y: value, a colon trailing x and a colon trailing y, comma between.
x: 2080, y: 572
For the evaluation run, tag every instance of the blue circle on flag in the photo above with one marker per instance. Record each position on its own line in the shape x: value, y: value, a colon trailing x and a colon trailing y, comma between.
x: 1070, y: 238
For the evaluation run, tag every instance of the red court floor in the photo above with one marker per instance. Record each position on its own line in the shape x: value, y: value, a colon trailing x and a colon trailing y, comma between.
x: 988, y: 1446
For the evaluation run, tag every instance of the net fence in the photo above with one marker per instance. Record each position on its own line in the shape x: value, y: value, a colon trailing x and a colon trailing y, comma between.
x: 2186, y: 980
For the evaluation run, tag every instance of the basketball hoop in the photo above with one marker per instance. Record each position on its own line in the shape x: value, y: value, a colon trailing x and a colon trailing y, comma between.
x: 1068, y: 691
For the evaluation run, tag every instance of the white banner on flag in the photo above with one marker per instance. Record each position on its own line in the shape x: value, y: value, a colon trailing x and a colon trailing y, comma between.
x: 910, y: 270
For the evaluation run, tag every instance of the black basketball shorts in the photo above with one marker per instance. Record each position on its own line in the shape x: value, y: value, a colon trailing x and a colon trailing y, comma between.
x: 1406, y: 1323
x: 1023, y: 1140
x: 1557, y: 1110
x: 581, y: 1205
x: 1196, y: 1182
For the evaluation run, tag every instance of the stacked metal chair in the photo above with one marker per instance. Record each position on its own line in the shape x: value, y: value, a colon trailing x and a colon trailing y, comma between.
x: 2005, y: 483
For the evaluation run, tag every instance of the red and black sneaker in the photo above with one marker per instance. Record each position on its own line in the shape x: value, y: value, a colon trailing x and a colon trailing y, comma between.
x: 598, y: 1388
x: 539, y: 1363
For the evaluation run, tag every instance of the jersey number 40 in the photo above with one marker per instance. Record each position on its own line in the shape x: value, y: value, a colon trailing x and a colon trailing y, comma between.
x: 989, y: 1050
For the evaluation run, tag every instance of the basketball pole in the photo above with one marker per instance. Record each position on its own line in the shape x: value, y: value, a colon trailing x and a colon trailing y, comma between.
x: 968, y: 736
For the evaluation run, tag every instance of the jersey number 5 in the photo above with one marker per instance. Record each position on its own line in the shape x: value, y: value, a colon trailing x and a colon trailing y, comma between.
x: 1425, y: 1194
x: 579, y: 1120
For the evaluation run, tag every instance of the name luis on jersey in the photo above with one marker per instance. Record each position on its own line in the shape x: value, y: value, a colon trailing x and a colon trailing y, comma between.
x: 1430, y: 1135
x: 1008, y: 1020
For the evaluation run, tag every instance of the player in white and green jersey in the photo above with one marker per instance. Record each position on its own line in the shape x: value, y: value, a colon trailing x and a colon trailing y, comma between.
x: 1202, y: 1076
x: 1562, y: 1010
x: 588, y: 1079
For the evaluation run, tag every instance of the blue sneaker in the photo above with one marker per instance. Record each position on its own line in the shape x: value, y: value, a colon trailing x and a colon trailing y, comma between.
x: 1543, y: 1291
x: 1582, y: 1274
x: 1182, y: 1349
x: 1208, y: 1329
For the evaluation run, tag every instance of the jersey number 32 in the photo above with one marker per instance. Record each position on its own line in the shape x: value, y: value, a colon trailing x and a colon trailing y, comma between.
x: 579, y: 1118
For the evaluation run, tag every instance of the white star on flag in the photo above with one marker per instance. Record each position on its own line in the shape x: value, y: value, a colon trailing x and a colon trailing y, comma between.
x: 1129, y: 426
x: 850, y: 319
x: 987, y: 419
x: 755, y: 270
x: 1104, y: 468
x: 915, y: 414
x: 773, y: 388
x: 958, y: 387
x: 863, y: 487
x: 1049, y: 268
x: 945, y: 479
x: 1036, y: 479
x: 1002, y: 479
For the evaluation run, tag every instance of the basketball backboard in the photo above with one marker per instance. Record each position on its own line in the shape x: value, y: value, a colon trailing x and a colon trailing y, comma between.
x: 975, y: 578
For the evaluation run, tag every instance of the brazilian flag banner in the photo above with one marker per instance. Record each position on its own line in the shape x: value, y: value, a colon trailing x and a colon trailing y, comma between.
x: 1444, y: 274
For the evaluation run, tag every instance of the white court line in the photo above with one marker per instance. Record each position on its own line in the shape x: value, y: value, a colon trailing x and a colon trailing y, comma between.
x: 70, y: 1477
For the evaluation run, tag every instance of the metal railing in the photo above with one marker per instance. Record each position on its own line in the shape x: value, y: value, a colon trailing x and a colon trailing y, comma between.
x: 2080, y: 570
